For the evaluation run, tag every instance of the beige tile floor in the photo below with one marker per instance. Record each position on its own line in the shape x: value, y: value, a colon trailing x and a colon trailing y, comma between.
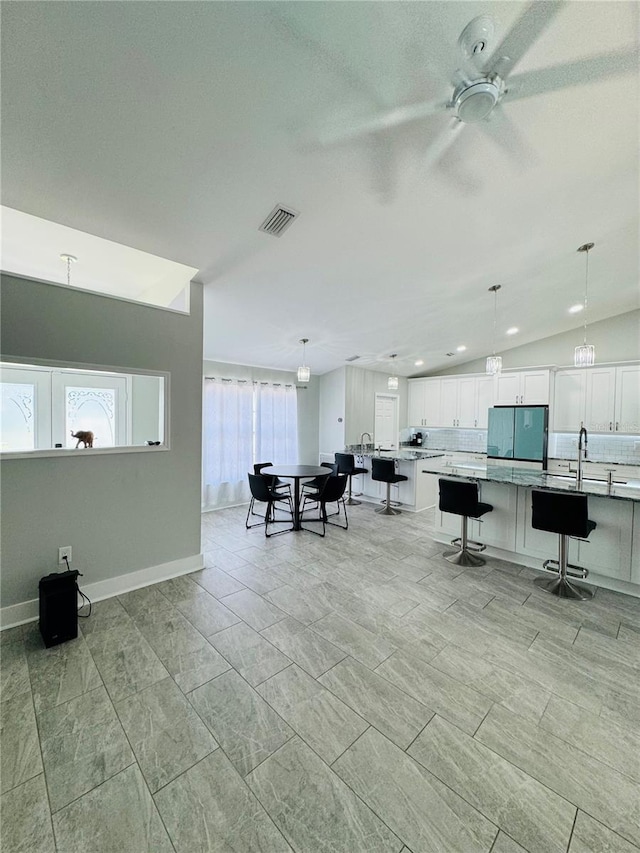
x: 356, y: 693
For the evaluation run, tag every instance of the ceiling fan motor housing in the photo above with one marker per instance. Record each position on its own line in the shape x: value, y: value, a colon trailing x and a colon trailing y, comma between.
x: 474, y: 101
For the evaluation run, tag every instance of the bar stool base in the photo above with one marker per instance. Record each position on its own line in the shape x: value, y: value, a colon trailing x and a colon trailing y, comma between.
x: 352, y: 502
x: 388, y: 510
x: 561, y: 587
x: 464, y: 558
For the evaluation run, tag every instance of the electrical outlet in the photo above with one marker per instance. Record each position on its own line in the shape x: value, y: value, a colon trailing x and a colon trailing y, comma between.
x: 63, y: 552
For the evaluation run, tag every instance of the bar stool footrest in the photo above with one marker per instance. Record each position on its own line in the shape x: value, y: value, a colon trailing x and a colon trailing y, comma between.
x: 553, y: 568
x: 471, y: 546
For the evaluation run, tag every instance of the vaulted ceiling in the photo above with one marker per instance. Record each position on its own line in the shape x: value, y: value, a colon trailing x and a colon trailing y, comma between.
x: 174, y: 128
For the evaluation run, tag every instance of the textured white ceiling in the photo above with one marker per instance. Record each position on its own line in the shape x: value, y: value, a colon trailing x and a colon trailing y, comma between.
x: 174, y: 128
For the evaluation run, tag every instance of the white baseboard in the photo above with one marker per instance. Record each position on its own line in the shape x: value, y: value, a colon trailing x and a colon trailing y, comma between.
x: 27, y: 611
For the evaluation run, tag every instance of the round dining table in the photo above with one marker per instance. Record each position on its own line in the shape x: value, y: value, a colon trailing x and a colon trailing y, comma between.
x: 296, y: 473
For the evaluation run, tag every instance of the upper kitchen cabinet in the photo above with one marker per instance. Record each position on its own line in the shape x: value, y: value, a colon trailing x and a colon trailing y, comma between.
x: 599, y: 408
x: 450, y: 401
x: 628, y: 399
x: 424, y: 402
x: 569, y: 400
x: 604, y: 399
x: 523, y: 388
x: 475, y: 398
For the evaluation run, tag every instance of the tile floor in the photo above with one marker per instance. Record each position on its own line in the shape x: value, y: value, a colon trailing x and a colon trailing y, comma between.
x: 356, y: 693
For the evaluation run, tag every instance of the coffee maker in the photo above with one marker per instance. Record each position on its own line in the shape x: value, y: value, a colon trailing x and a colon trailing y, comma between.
x: 416, y: 439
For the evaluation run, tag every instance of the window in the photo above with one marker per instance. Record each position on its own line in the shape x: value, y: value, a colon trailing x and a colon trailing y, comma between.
x: 245, y: 422
x: 41, y: 406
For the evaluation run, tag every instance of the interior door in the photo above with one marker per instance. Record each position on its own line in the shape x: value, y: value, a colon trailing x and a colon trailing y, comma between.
x: 386, y: 421
x: 25, y: 413
x: 90, y: 403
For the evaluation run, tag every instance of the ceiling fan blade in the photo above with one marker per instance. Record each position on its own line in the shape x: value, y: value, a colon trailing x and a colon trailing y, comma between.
x: 383, y: 121
x: 442, y: 143
x: 505, y: 133
x: 578, y: 73
x: 529, y: 26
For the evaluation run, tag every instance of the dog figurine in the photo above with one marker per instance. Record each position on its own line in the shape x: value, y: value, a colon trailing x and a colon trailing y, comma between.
x: 84, y: 436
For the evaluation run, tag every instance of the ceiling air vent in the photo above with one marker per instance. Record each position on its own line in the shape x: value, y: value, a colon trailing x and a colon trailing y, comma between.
x: 352, y: 358
x: 278, y: 220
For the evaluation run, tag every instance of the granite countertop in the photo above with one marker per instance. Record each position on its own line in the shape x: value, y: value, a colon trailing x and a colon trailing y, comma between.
x: 532, y: 479
x: 403, y: 455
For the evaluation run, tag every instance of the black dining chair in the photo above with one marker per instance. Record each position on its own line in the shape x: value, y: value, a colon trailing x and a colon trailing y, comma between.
x: 274, y: 482
x: 332, y: 492
x: 312, y: 487
x: 346, y: 463
x: 263, y: 493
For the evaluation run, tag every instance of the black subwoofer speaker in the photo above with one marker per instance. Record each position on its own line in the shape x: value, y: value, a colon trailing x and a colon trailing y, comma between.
x: 59, y: 607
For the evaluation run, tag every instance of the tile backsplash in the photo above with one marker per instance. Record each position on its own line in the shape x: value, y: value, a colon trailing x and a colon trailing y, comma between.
x: 452, y: 439
x: 600, y: 448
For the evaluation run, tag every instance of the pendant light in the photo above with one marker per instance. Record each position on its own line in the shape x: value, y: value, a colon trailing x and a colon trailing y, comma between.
x: 69, y: 259
x: 585, y: 355
x: 494, y: 362
x: 392, y: 381
x: 304, y: 372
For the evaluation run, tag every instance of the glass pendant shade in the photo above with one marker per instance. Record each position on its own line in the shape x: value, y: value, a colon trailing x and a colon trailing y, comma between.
x: 304, y: 372
x: 392, y: 383
x: 494, y: 365
x: 585, y: 355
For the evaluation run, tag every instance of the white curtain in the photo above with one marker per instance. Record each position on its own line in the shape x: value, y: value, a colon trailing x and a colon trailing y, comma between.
x: 243, y: 423
x: 276, y: 433
x: 227, y: 452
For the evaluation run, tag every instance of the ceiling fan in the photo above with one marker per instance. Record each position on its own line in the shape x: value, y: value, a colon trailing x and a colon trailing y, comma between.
x: 482, y: 83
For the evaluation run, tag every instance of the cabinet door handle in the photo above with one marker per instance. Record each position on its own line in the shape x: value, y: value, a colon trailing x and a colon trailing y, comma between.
x: 610, y: 426
x: 617, y: 426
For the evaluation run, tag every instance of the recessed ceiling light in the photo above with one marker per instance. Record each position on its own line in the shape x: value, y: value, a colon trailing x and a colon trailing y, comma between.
x: 461, y: 348
x: 513, y: 330
x: 575, y: 309
x: 419, y: 363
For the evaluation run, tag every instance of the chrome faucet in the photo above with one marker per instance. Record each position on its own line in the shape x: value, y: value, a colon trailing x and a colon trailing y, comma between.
x: 362, y: 440
x: 582, y: 434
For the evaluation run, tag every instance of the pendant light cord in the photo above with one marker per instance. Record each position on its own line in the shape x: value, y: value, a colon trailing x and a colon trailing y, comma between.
x: 586, y: 290
x: 495, y: 318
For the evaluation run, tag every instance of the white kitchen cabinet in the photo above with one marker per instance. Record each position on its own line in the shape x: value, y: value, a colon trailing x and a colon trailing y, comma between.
x: 604, y: 399
x: 569, y: 400
x: 607, y: 551
x: 600, y: 399
x: 424, y: 403
x: 431, y: 412
x: 627, y: 406
x: 523, y: 388
x: 415, y: 405
x: 467, y: 414
x: 448, y: 402
x: 475, y: 398
x: 635, y: 545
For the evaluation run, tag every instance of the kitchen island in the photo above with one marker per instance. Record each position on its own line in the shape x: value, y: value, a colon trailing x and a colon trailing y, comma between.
x: 419, y: 491
x: 612, y: 552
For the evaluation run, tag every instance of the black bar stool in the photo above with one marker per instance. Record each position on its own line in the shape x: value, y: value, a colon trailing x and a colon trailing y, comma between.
x: 384, y: 470
x: 461, y: 498
x: 347, y: 465
x: 567, y: 514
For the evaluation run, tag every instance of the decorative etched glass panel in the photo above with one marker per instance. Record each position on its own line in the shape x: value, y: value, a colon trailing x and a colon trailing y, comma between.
x: 91, y: 410
x: 17, y: 427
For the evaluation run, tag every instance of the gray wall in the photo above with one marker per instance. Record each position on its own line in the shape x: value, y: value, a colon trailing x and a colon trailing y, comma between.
x: 308, y: 400
x: 615, y: 339
x: 121, y: 512
x: 361, y: 389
